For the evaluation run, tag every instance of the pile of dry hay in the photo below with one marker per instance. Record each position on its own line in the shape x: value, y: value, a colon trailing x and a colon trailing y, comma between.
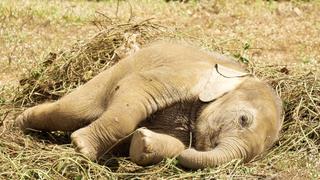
x: 60, y: 72
x: 298, y: 85
x: 299, y: 88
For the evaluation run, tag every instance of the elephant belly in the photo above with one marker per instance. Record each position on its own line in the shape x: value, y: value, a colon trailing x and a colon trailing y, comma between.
x: 175, y: 121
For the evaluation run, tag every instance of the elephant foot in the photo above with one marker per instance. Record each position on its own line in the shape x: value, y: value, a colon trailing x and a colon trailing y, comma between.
x: 22, y: 121
x: 84, y: 144
x: 144, y: 147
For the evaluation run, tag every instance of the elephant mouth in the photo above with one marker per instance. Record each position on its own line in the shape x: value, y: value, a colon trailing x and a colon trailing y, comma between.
x: 206, y: 143
x: 211, y: 139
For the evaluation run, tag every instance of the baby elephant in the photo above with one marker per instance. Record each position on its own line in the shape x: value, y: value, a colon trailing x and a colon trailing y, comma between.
x: 177, y: 92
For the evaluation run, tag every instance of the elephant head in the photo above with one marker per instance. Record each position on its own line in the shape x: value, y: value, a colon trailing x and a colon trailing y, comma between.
x: 241, y: 118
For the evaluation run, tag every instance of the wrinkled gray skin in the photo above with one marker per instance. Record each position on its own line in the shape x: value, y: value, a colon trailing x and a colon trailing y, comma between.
x: 172, y: 90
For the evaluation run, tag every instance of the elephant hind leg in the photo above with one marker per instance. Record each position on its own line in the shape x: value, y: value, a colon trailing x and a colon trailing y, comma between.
x: 148, y: 147
x: 77, y: 109
x: 67, y: 114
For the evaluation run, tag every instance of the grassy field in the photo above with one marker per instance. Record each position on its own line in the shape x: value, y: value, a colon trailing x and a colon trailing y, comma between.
x: 278, y: 41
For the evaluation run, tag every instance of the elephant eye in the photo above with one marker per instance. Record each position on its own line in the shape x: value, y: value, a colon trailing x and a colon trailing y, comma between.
x: 244, y: 120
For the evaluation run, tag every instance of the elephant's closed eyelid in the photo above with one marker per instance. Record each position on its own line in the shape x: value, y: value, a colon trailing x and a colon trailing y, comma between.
x: 245, y: 120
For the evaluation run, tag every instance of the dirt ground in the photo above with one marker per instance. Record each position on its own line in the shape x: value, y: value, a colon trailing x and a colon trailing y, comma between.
x: 267, y: 33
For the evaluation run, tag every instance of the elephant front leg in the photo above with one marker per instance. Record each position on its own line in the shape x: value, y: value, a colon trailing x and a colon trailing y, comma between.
x: 103, y: 134
x: 135, y: 99
x: 148, y: 147
x: 121, y: 118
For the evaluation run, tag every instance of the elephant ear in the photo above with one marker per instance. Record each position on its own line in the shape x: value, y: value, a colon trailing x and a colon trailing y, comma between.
x: 220, y: 81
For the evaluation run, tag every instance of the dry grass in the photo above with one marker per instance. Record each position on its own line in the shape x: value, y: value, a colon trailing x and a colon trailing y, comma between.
x: 278, y: 41
x: 63, y: 71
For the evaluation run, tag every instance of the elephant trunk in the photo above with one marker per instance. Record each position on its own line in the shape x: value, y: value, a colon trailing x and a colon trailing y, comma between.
x: 225, y: 151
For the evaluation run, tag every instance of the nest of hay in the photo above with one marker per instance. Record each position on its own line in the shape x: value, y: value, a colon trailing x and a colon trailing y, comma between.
x: 299, y: 88
x: 298, y: 85
x: 63, y: 71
